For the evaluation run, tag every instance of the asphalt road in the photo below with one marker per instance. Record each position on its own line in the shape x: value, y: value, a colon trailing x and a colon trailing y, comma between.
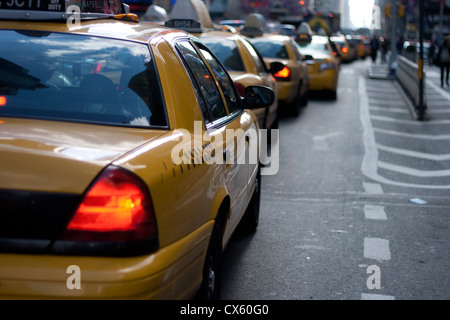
x: 360, y: 206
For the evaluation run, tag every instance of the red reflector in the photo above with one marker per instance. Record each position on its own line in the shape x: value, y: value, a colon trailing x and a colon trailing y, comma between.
x: 283, y: 74
x: 2, y: 101
x: 117, y: 207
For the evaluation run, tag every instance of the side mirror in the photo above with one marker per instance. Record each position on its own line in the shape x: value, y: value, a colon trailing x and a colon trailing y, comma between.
x: 258, y: 97
x: 276, y: 67
x: 308, y: 57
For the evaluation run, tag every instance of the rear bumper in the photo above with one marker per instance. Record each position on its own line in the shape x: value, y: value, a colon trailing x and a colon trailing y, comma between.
x: 287, y: 91
x: 173, y: 272
x: 324, y: 80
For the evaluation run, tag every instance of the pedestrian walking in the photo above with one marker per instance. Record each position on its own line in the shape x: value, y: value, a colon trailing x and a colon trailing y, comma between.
x: 384, y: 49
x: 432, y: 53
x: 443, y: 59
x: 374, y: 48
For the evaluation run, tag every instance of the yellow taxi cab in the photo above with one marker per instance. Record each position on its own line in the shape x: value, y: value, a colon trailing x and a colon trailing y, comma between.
x: 347, y: 52
x: 357, y: 41
x: 323, y: 67
x: 293, y: 78
x: 127, y: 157
x: 245, y: 66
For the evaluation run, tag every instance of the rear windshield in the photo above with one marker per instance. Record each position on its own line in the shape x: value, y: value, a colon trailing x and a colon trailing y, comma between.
x: 270, y: 48
x: 78, y: 78
x: 313, y: 48
x: 227, y: 52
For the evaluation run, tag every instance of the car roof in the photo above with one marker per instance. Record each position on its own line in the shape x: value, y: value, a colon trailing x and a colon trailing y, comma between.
x: 140, y: 32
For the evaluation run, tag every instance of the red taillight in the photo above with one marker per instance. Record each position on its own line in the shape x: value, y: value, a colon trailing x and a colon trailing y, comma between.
x: 117, y: 207
x: 2, y: 101
x: 283, y: 74
x: 344, y: 50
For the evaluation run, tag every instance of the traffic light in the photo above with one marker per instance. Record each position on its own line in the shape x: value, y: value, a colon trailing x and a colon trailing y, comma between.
x: 387, y: 10
x: 401, y: 10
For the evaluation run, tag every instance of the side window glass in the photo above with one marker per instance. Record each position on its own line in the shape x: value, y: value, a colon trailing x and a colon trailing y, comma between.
x: 226, y: 84
x: 204, y: 82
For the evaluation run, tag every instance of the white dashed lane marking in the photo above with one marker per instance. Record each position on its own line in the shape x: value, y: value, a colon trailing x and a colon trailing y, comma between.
x: 371, y: 296
x: 373, y: 188
x: 374, y: 212
x: 377, y: 249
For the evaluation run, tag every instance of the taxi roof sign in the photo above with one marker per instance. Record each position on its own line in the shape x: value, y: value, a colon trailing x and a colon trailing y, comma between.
x: 304, y: 32
x: 190, y: 15
x: 60, y: 9
x: 155, y: 13
x: 255, y: 25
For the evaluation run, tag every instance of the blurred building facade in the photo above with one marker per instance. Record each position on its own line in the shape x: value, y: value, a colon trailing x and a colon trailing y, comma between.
x: 337, y: 14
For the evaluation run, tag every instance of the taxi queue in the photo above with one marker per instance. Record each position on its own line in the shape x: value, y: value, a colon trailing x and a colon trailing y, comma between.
x: 297, y: 63
x: 106, y: 191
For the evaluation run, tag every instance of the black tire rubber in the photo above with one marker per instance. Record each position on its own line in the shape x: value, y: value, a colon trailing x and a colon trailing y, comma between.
x: 212, y: 273
x: 250, y: 220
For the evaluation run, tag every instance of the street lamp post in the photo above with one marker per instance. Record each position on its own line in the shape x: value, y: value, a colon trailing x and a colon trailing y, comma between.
x: 421, y: 107
x: 393, y: 57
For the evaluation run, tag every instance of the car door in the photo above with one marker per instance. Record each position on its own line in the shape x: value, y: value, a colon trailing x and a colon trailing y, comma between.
x: 228, y: 128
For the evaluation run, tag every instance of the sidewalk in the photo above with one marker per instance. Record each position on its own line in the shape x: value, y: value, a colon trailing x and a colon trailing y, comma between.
x: 438, y: 99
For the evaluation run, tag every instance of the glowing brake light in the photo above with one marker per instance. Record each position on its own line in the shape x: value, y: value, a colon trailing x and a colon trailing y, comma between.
x: 344, y: 50
x: 284, y: 74
x: 117, y: 207
x: 2, y: 101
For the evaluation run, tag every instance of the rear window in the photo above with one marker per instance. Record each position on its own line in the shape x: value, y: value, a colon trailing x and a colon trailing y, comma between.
x: 270, y: 48
x: 78, y: 78
x: 227, y: 52
x: 313, y: 48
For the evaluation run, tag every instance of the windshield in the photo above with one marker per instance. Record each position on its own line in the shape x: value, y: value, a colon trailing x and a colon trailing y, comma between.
x: 270, y: 48
x: 78, y: 78
x: 313, y: 48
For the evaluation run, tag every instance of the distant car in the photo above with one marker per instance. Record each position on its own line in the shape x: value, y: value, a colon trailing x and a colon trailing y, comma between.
x: 348, y: 53
x: 293, y: 79
x: 357, y: 41
x: 245, y: 66
x: 322, y: 64
x: 120, y: 171
x: 238, y: 24
x: 288, y: 30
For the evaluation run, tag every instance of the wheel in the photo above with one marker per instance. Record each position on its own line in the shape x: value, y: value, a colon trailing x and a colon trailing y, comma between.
x: 250, y: 220
x: 333, y: 95
x: 210, y: 287
x: 305, y: 99
x: 294, y: 107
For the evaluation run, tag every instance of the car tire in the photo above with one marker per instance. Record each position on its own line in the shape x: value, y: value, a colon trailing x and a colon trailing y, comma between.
x: 333, y: 95
x: 305, y: 99
x: 210, y: 287
x: 295, y: 106
x: 250, y: 220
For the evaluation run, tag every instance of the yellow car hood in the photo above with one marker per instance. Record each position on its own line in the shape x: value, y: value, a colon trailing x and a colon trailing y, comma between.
x: 60, y: 156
